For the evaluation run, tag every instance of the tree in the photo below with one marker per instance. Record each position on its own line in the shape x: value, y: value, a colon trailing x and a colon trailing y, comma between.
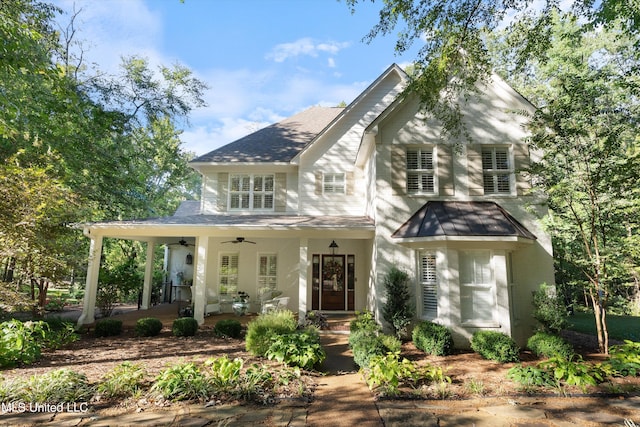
x: 586, y: 131
x: 454, y: 57
x: 398, y: 309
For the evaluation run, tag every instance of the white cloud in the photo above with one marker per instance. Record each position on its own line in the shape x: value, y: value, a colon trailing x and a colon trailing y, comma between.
x: 304, y: 47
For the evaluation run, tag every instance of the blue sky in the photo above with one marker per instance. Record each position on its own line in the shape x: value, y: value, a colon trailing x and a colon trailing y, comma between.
x: 263, y: 60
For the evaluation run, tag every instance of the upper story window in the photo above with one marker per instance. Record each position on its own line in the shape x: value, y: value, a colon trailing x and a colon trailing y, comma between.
x: 497, y: 171
x: 333, y: 183
x: 253, y: 192
x: 420, y: 170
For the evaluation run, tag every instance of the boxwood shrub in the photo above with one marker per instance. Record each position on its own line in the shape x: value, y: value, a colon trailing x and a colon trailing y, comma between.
x: 547, y: 345
x: 367, y: 343
x: 496, y: 346
x: 433, y: 338
x: 108, y: 327
x: 184, y: 327
x: 148, y: 327
x: 230, y: 328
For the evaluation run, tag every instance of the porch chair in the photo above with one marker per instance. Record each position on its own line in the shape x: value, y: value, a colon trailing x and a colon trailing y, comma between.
x: 267, y: 294
x: 275, y: 304
x: 213, y: 303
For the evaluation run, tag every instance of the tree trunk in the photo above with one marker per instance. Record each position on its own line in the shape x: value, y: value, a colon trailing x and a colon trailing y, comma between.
x: 600, y: 318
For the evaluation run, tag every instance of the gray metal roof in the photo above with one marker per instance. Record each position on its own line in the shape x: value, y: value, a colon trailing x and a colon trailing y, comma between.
x: 462, y: 219
x: 280, y: 142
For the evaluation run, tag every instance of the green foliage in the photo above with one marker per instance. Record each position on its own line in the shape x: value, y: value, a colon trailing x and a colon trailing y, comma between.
x: 549, y: 309
x: 20, y: 342
x: 230, y: 328
x: 148, y: 327
x: 388, y: 373
x: 184, y: 327
x: 182, y: 381
x: 301, y: 348
x: 364, y: 320
x: 625, y: 358
x: 265, y: 326
x: 530, y: 376
x: 398, y: 309
x: 58, y: 333
x: 497, y: 346
x: 316, y: 319
x: 108, y: 327
x: 547, y: 345
x: 574, y: 372
x: 433, y: 338
x: 224, y: 373
x: 59, y: 386
x: 366, y: 343
x: 125, y: 380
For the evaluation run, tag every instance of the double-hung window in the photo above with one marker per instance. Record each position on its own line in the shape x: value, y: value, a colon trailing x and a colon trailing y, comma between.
x: 477, y: 287
x: 252, y: 192
x: 496, y: 170
x: 228, y: 273
x: 429, y: 285
x: 420, y: 170
x: 333, y: 183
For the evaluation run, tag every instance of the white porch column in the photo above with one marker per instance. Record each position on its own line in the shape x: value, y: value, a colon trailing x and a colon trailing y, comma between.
x: 148, y: 277
x: 302, y: 279
x: 199, y: 297
x: 91, y: 287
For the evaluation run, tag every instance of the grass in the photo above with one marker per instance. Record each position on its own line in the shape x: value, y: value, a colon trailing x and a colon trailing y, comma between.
x: 619, y: 327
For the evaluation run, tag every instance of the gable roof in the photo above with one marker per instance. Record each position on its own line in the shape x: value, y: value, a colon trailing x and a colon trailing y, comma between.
x: 439, y: 219
x: 280, y: 142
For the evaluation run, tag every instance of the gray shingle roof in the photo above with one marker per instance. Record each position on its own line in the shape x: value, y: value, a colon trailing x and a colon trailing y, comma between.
x: 462, y: 219
x: 280, y: 142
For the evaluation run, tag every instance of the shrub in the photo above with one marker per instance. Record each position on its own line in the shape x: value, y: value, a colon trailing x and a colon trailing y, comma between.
x: 183, y: 381
x: 317, y: 319
x: 59, y: 332
x: 398, y: 309
x: 549, y: 309
x: 108, y: 327
x: 184, y: 327
x: 20, y: 342
x: 496, y: 346
x: 364, y: 321
x: 365, y: 344
x: 265, y: 326
x: 547, y: 345
x: 433, y: 338
x: 62, y: 385
x: 228, y: 328
x: 301, y: 348
x: 148, y: 327
x: 124, y: 380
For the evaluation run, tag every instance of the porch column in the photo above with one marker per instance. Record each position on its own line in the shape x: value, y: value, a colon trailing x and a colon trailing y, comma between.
x: 199, y: 297
x: 148, y: 277
x: 302, y: 279
x: 91, y: 287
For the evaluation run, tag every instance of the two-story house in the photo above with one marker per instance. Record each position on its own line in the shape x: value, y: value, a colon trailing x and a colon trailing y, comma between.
x: 322, y: 204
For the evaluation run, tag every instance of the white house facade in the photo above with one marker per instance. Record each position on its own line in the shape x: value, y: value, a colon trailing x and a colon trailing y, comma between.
x: 319, y: 207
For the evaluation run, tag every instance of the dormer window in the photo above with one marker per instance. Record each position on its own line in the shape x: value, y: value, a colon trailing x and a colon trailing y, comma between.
x: 252, y: 192
x: 333, y: 183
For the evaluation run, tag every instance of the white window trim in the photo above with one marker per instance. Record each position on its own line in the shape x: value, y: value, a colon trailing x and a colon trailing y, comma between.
x: 510, y: 170
x: 433, y: 170
x: 251, y: 192
x: 220, y: 275
x: 333, y: 182
x: 260, y: 276
x: 421, y: 285
x: 492, y: 287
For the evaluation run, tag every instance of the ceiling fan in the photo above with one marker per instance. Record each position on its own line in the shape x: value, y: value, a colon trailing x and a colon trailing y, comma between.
x: 239, y: 240
x: 181, y: 242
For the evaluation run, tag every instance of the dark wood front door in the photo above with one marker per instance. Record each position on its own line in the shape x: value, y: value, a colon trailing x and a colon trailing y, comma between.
x: 333, y: 282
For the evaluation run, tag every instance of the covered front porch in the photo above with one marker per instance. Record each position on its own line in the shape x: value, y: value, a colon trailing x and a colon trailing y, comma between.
x: 211, y: 260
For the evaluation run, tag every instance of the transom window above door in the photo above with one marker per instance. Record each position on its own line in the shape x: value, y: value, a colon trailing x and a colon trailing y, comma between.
x: 250, y: 191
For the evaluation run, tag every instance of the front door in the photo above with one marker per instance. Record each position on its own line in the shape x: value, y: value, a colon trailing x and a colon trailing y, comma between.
x: 333, y: 282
